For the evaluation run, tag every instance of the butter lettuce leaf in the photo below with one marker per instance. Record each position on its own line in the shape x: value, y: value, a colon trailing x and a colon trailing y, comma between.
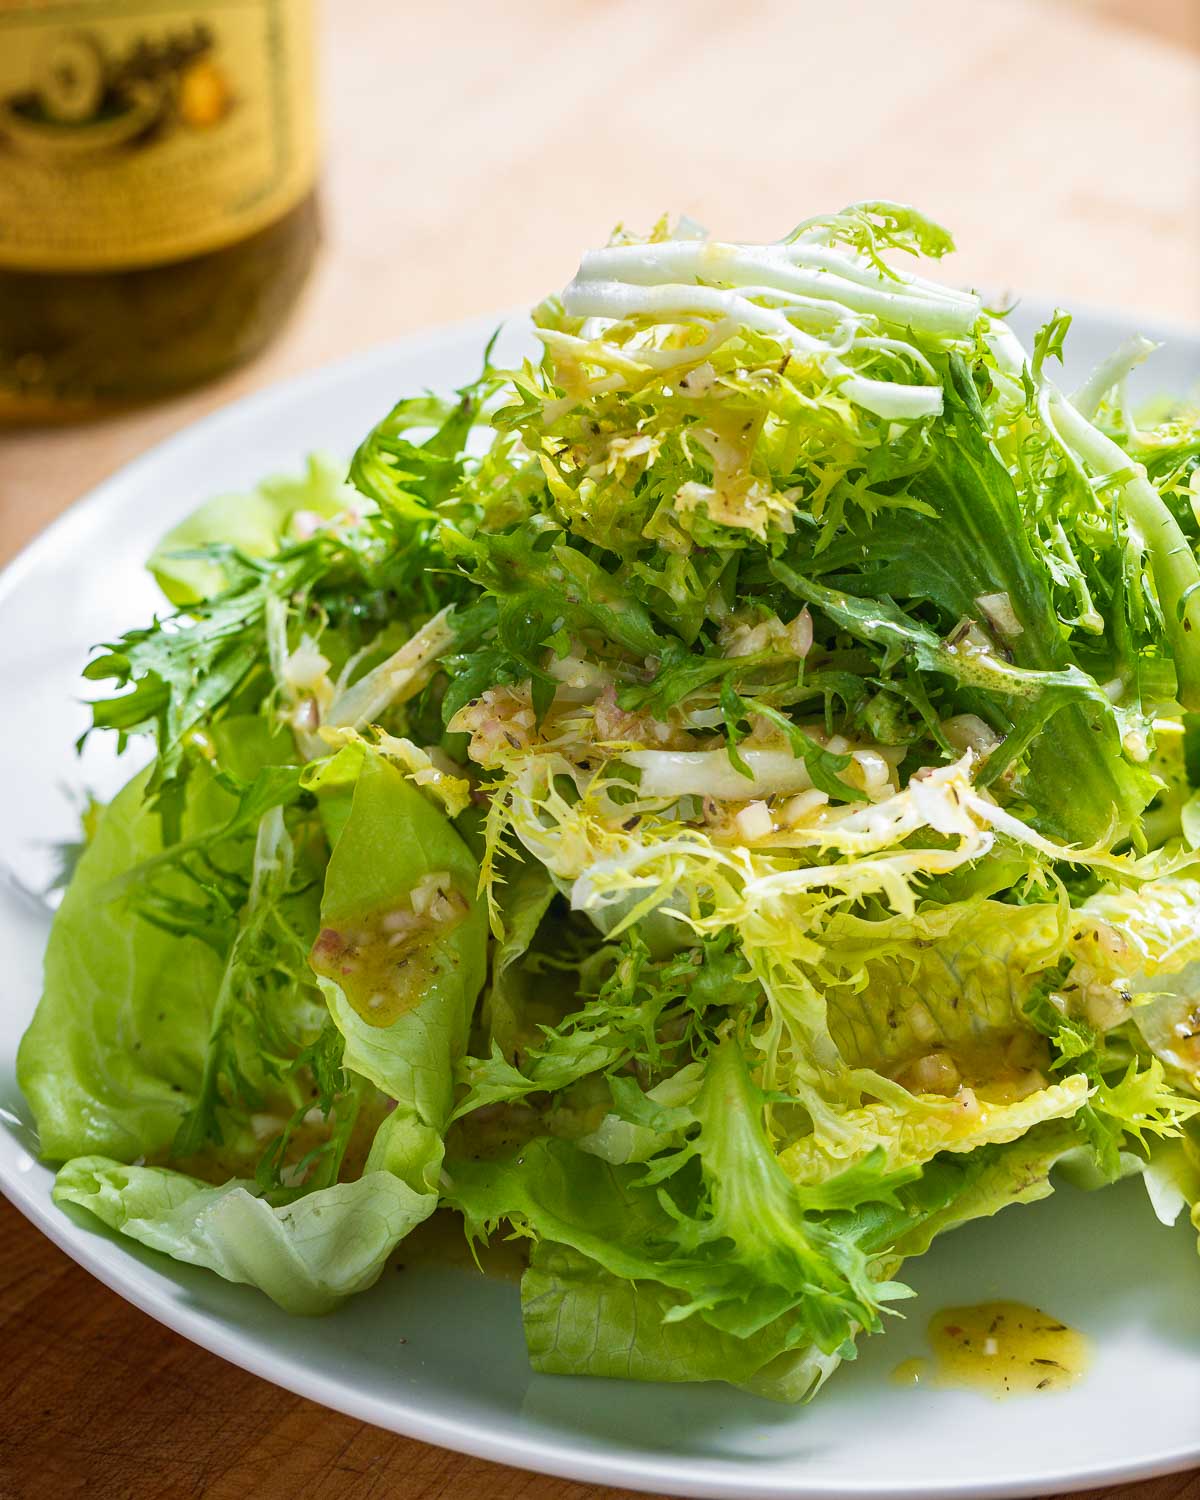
x: 583, y: 1320
x: 305, y: 1239
x: 400, y: 983
x: 189, y: 564
x: 114, y: 1056
x: 306, y: 1255
x: 952, y: 976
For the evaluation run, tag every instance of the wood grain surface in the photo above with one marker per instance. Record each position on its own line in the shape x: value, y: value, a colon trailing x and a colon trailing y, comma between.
x: 469, y: 160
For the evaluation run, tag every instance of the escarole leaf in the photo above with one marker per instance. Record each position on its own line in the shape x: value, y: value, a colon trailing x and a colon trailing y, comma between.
x: 968, y: 542
x: 640, y: 999
x: 730, y: 1233
x: 582, y: 1318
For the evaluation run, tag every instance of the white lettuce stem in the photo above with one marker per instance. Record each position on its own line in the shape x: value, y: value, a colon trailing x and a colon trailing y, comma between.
x: 820, y: 259
x: 1109, y: 373
x: 741, y: 265
x: 395, y: 679
x: 613, y: 299
x: 909, y: 352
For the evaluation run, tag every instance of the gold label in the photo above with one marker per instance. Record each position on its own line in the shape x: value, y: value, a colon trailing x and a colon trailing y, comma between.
x: 134, y: 132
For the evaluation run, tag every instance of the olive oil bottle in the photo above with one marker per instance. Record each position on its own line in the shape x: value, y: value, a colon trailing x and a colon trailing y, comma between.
x: 157, y: 205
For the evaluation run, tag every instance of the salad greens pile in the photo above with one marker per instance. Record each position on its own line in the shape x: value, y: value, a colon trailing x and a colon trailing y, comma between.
x: 720, y: 801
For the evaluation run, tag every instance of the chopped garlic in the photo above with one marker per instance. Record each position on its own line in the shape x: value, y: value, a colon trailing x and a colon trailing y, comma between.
x: 796, y: 809
x: 874, y: 771
x: 698, y: 382
x: 754, y: 822
x: 934, y: 1073
x: 998, y: 611
x: 970, y: 732
x: 306, y: 668
x: 428, y: 889
x: 800, y: 633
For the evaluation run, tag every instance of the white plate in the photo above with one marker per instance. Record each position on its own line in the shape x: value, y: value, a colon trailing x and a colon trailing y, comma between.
x: 1100, y: 1262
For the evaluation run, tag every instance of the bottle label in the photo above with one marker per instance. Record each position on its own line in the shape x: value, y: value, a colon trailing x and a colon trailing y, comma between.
x: 134, y: 132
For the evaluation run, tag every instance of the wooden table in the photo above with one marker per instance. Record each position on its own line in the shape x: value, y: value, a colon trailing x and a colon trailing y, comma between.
x: 469, y: 162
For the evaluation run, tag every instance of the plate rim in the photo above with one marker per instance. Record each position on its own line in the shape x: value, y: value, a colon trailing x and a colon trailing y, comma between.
x: 709, y: 1479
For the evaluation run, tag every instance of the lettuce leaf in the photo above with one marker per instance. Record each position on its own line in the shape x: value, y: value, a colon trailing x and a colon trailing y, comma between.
x: 313, y: 1242
x: 524, y: 902
x: 114, y: 1056
x: 404, y: 1011
x: 176, y: 986
x: 1002, y: 1175
x: 582, y: 1318
x: 948, y: 975
x: 187, y: 564
x: 306, y: 1255
x: 1172, y: 1177
x: 718, y: 1221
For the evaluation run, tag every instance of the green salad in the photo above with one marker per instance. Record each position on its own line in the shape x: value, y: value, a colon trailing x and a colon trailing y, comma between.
x: 719, y: 802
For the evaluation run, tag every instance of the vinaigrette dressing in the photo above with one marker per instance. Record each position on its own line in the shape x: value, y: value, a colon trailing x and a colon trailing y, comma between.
x: 384, y: 961
x: 1000, y: 1348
